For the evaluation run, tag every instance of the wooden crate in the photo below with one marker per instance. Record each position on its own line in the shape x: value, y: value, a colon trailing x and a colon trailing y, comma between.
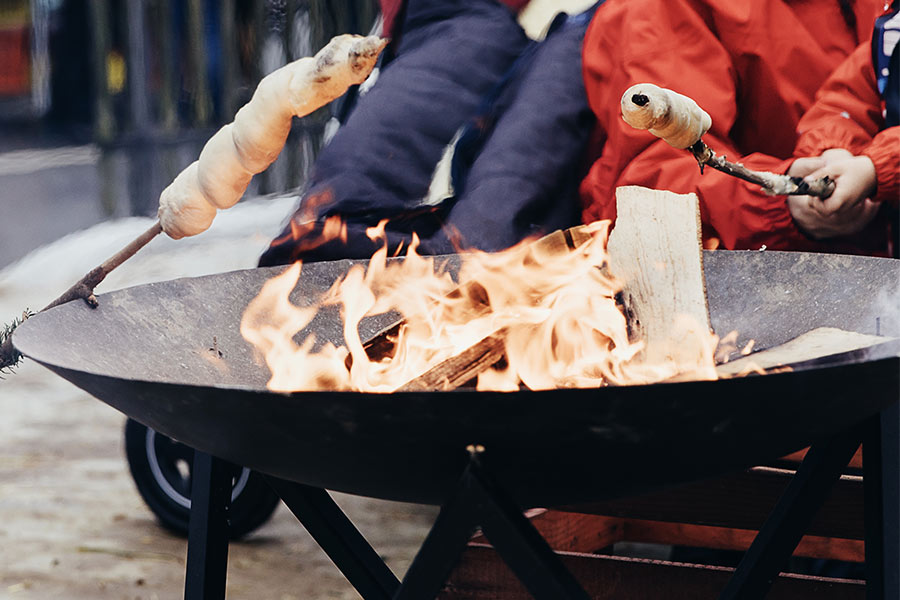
x: 723, y: 513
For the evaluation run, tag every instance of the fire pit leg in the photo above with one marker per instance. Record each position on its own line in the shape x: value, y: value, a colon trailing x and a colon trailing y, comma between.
x: 881, y: 463
x: 207, y: 556
x: 339, y: 538
x: 791, y: 516
x: 476, y: 501
x: 480, y: 501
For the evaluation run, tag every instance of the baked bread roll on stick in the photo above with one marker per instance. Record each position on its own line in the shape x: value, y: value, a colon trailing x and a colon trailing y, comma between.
x: 254, y: 140
x: 666, y: 114
x: 679, y: 121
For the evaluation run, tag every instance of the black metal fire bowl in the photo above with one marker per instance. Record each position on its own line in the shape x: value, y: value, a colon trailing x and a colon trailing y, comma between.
x: 149, y: 351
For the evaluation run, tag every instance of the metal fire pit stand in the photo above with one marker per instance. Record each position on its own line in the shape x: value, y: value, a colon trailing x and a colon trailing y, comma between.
x: 478, y: 501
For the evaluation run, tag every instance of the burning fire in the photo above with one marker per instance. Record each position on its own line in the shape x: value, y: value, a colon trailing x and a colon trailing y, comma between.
x: 554, y: 309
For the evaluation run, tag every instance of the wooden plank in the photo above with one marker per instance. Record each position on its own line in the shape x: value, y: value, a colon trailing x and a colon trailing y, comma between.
x: 724, y: 538
x: 482, y: 575
x: 741, y: 501
x: 655, y: 250
x: 580, y: 532
x: 796, y: 457
x: 572, y: 532
x: 818, y: 343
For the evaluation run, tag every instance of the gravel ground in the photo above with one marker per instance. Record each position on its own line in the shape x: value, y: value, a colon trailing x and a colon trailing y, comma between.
x: 73, y: 525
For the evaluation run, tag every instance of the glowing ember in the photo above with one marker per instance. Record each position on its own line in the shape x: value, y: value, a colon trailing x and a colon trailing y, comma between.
x: 556, y: 310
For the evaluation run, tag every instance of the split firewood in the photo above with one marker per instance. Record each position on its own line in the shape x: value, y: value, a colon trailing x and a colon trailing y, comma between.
x: 679, y: 121
x: 460, y: 368
x: 239, y: 150
x: 818, y: 343
x: 656, y: 252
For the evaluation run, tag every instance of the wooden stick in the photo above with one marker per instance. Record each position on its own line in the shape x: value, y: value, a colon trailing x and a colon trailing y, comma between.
x: 458, y: 369
x: 773, y: 183
x: 84, y: 288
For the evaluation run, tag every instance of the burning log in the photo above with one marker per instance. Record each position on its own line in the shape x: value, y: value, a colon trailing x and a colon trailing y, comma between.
x: 558, y: 309
x: 381, y: 345
x: 655, y: 250
x: 461, y: 368
x: 466, y: 366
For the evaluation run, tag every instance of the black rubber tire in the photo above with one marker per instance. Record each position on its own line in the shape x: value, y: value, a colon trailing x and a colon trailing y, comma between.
x: 162, y: 476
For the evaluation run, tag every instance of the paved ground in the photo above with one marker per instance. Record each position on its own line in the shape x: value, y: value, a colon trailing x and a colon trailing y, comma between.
x: 74, y: 527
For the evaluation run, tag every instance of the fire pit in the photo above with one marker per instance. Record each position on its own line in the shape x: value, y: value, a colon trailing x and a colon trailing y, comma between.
x: 170, y: 356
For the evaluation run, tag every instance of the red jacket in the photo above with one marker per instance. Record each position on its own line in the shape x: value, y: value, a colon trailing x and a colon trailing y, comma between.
x: 754, y: 66
x: 848, y: 114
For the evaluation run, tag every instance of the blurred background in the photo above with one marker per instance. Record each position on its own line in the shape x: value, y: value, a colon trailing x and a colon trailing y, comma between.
x: 102, y: 103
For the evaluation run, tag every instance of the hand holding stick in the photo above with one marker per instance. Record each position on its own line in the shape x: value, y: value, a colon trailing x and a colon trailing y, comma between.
x: 681, y: 122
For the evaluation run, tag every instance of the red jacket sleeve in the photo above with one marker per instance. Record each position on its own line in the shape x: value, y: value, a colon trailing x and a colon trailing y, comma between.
x: 753, y: 66
x: 847, y: 111
x: 672, y: 43
x: 884, y: 150
x: 848, y: 114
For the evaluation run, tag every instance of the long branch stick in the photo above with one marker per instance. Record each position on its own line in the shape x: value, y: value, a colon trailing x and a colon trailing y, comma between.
x: 84, y: 288
x: 773, y: 183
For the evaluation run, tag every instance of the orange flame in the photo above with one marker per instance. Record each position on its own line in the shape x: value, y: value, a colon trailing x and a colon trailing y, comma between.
x: 556, y: 308
x: 306, y: 232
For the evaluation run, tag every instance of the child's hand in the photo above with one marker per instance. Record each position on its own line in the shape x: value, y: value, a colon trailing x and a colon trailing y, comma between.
x: 848, y: 210
x: 854, y: 180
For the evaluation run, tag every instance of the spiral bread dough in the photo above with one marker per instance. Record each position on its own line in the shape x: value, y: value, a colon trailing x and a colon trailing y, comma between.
x: 668, y: 115
x: 183, y: 210
x: 253, y: 141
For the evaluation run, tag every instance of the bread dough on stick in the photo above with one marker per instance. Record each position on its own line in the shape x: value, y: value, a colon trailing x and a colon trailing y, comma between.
x: 297, y: 89
x: 183, y: 210
x: 249, y: 145
x: 262, y: 125
x: 668, y: 115
x: 223, y: 177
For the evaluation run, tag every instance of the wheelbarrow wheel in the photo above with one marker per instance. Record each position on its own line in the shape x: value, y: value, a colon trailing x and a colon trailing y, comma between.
x: 161, y: 469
